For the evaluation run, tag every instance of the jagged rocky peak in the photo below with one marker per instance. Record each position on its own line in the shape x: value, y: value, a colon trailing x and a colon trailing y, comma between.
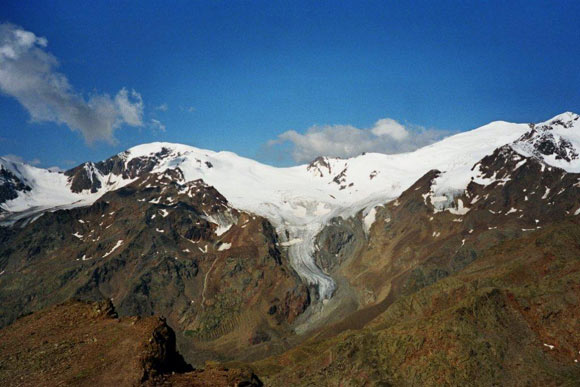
x: 320, y: 166
x: 554, y: 138
x: 92, y: 176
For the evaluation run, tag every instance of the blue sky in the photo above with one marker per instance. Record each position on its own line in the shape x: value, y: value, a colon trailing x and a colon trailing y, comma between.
x: 279, y: 81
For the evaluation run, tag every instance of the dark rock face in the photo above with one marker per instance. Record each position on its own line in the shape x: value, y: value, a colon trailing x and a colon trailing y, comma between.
x: 340, y: 240
x: 84, y: 177
x: 10, y: 185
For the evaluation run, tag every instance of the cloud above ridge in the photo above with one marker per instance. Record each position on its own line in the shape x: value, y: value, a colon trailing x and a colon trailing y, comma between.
x: 28, y: 73
x: 385, y: 136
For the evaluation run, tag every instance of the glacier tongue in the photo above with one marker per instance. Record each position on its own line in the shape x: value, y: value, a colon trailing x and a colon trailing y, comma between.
x: 301, y: 256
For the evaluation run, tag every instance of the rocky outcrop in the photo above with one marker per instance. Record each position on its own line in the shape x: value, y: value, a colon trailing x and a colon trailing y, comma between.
x: 160, y: 355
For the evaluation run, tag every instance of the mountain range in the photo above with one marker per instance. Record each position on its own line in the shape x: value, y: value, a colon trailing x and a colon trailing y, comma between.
x: 452, y: 263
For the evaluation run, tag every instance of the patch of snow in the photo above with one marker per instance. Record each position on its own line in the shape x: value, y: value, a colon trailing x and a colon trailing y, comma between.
x: 546, y: 193
x: 369, y: 219
x: 224, y: 246
x: 519, y: 164
x: 223, y: 229
x: 224, y: 222
x: 117, y: 245
x: 511, y: 211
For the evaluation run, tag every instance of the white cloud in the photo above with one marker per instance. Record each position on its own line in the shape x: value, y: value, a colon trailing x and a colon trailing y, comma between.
x: 163, y: 107
x: 28, y: 73
x: 189, y: 109
x: 386, y: 136
x: 131, y: 111
x: 157, y: 125
x: 390, y: 127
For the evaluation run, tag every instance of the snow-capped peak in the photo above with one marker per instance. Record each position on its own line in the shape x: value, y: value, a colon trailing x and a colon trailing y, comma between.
x: 156, y: 148
x: 561, y: 119
x: 555, y: 142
